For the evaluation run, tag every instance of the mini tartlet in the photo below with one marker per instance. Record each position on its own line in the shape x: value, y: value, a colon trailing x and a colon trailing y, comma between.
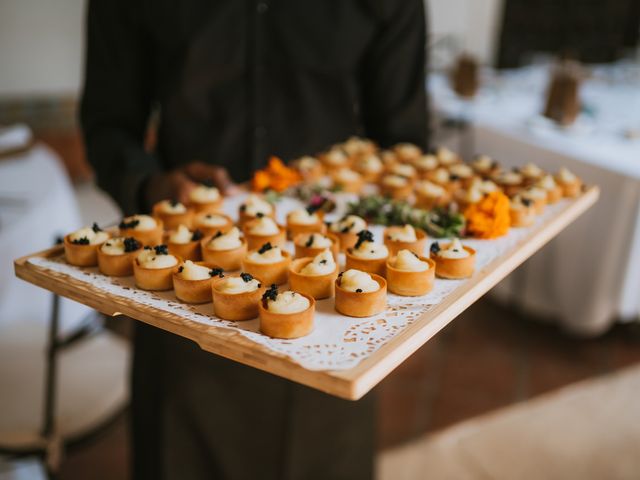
x: 236, y: 297
x: 347, y: 229
x: 334, y: 159
x: 360, y: 294
x: 369, y: 166
x: 430, y: 195
x: 407, y: 237
x: 81, y: 246
x: 396, y: 186
x: 407, y: 152
x: 263, y: 230
x: 153, y: 268
x: 554, y: 191
x: 205, y: 198
x: 570, y: 184
x: 511, y: 181
x: 447, y: 157
x: 347, y: 180
x: 116, y: 255
x: 410, y: 275
x: 311, y: 244
x: 425, y: 164
x: 464, y: 173
x: 304, y: 220
x: 172, y: 213
x: 453, y: 260
x: 224, y: 249
x: 286, y: 314
x: 192, y: 281
x: 531, y: 173
x: 485, y: 166
x: 144, y: 228
x: 315, y: 276
x: 269, y: 263
x: 366, y: 255
x: 309, y: 168
x: 252, y: 207
x: 537, y: 196
x: 521, y: 212
x: 210, y: 223
x: 184, y: 243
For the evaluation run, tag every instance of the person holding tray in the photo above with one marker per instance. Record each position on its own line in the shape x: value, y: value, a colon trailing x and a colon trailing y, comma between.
x: 229, y: 84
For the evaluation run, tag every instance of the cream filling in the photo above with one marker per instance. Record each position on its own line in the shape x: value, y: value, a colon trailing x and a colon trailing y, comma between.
x: 407, y: 261
x: 172, y: 208
x: 408, y: 150
x: 114, y: 246
x: 370, y: 251
x: 204, y: 194
x: 487, y: 186
x: 212, y: 220
x: 317, y: 241
x: 181, y: 236
x: 427, y: 162
x: 371, y: 164
x: 306, y: 163
x: 355, y: 280
x: 461, y: 170
x: 254, y: 204
x: 288, y: 302
x: 454, y: 250
x: 226, y: 241
x: 193, y: 271
x: 483, y: 163
x: 404, y: 170
x: 547, y: 182
x: 473, y: 195
x: 347, y: 175
x: 510, y: 178
x: 566, y: 176
x: 516, y: 204
x: 263, y: 226
x: 349, y: 224
x: 355, y: 145
x: 322, y: 264
x: 148, y: 258
x: 395, y: 181
x: 272, y: 255
x: 531, y: 170
x: 535, y: 194
x: 301, y: 216
x: 94, y: 238
x: 145, y: 222
x: 336, y: 156
x: 446, y: 156
x: 403, y: 234
x: 441, y: 175
x: 430, y: 189
x: 234, y: 285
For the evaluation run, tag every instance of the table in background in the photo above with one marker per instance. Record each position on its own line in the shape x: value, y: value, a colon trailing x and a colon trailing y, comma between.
x: 590, y: 274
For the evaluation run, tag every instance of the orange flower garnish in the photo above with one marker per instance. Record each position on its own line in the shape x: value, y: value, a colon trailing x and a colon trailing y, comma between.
x: 276, y: 176
x: 489, y: 218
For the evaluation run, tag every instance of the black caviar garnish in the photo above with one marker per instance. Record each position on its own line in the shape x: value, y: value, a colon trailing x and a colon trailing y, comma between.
x: 216, y: 272
x: 453, y: 177
x: 80, y: 241
x: 180, y: 268
x: 246, y: 277
x: 147, y: 247
x: 494, y: 164
x: 340, y: 274
x: 515, y: 169
x: 161, y: 250
x: 95, y: 228
x: 174, y: 203
x: 415, y: 254
x: 309, y: 241
x: 265, y: 248
x: 323, y: 261
x: 271, y: 293
x: 435, y: 247
x: 127, y: 225
x: 358, y: 290
x: 131, y: 244
x: 259, y: 215
x: 218, y: 234
x: 311, y: 209
x: 364, y: 236
x: 243, y: 208
x: 197, y: 235
x: 207, y: 183
x: 348, y: 227
x: 526, y: 202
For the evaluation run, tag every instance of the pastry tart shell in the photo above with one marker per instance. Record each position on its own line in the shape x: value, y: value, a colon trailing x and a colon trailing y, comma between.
x: 294, y: 229
x: 522, y: 217
x: 269, y: 273
x: 146, y: 237
x: 194, y: 291
x: 187, y: 251
x: 416, y: 247
x: 243, y: 218
x: 301, y: 251
x: 287, y: 325
x: 117, y: 265
x: 349, y: 187
x: 236, y: 306
x: 228, y: 260
x: 410, y: 284
x: 173, y: 220
x: 554, y: 195
x: 364, y: 304
x: 571, y: 190
x: 397, y: 192
x: 428, y: 202
x: 154, y: 279
x: 256, y: 241
x: 455, y: 268
x: 346, y: 240
x: 316, y: 286
x: 369, y: 265
x: 207, y: 207
x: 212, y: 230
x: 81, y: 255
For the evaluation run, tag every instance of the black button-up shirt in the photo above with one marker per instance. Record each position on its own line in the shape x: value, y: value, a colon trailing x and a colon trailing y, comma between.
x: 236, y: 81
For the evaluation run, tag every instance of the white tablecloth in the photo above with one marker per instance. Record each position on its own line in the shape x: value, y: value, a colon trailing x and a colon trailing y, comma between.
x: 590, y: 274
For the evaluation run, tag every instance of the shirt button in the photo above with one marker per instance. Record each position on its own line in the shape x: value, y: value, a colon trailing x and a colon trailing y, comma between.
x: 262, y: 7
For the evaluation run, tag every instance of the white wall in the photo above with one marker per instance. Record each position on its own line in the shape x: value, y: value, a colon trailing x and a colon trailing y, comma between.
x: 41, y: 44
x: 41, y: 41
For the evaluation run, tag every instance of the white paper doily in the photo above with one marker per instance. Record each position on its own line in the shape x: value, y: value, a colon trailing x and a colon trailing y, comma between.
x: 337, y: 342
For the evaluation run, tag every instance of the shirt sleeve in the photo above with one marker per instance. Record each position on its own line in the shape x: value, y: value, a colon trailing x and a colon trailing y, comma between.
x: 393, y: 75
x: 116, y: 101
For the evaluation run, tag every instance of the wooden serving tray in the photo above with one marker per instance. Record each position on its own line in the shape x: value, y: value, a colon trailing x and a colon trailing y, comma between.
x: 349, y: 384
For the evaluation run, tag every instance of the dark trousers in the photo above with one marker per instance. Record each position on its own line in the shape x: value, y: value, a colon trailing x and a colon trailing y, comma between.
x: 199, y: 416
